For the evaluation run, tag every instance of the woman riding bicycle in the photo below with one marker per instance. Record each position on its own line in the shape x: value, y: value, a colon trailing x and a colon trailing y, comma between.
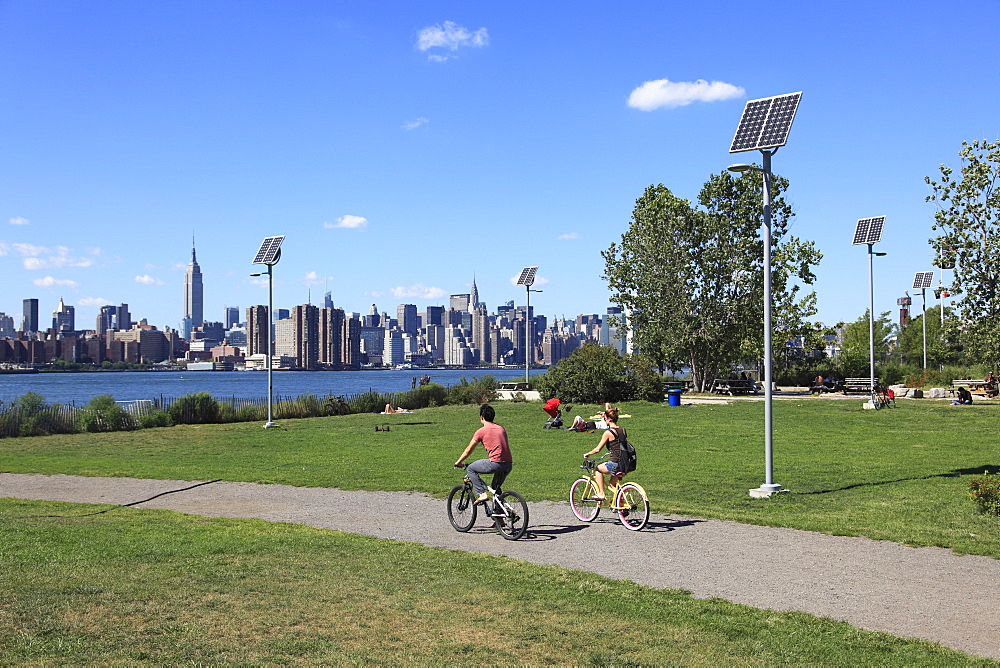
x: 612, y: 439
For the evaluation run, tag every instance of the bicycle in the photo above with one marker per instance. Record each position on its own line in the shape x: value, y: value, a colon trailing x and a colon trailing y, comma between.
x: 508, y: 509
x: 630, y: 500
x: 882, y: 398
x: 335, y: 405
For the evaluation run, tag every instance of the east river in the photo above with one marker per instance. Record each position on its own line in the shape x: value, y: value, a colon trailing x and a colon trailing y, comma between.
x: 79, y: 388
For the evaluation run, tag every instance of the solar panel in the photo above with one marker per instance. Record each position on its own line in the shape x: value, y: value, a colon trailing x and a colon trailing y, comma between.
x: 268, y: 252
x: 765, y: 123
x: 923, y: 280
x: 869, y: 230
x: 527, y: 276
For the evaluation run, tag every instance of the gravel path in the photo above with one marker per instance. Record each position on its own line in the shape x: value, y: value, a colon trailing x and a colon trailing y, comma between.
x: 927, y: 593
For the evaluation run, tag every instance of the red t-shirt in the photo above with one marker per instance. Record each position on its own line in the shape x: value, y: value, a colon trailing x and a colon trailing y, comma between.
x: 494, y: 439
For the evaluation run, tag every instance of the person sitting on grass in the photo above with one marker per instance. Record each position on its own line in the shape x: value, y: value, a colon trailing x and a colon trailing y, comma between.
x: 963, y: 396
x: 612, y: 439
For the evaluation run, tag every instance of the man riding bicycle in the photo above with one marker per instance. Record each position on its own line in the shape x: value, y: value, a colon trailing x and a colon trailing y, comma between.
x: 494, y: 439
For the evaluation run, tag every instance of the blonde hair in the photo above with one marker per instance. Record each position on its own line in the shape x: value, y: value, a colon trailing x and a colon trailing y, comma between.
x: 611, y: 414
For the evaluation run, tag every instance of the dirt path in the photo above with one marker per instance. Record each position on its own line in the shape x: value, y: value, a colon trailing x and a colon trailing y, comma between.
x: 927, y: 593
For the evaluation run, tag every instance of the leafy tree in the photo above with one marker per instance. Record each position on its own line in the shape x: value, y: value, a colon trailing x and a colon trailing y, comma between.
x: 968, y: 222
x: 691, y: 279
x: 942, y: 346
x: 854, y: 359
x: 591, y: 374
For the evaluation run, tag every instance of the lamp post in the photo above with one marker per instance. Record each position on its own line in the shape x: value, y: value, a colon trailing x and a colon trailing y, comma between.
x: 527, y: 279
x: 871, y: 318
x: 921, y: 281
x: 764, y: 127
x: 269, y: 254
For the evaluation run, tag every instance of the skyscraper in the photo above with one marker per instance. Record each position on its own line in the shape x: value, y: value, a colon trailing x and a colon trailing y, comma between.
x: 64, y: 318
x: 29, y: 323
x: 194, y: 311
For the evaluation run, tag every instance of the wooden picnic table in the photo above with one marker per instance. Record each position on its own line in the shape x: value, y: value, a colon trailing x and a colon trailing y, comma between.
x: 858, y: 385
x: 733, y: 386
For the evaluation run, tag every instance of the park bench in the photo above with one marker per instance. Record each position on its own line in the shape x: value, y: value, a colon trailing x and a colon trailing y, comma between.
x: 974, y: 386
x: 732, y: 387
x: 858, y: 385
x: 675, y: 385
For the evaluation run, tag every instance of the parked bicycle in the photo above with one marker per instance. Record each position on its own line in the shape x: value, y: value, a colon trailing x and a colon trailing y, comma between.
x: 882, y: 397
x: 627, y: 499
x: 506, y: 508
x: 335, y: 405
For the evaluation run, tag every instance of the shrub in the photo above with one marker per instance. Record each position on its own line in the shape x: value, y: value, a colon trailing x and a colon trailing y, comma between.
x: 480, y: 391
x: 198, y: 408
x: 591, y: 374
x: 102, y: 414
x: 985, y: 493
x: 155, y: 418
x: 368, y: 402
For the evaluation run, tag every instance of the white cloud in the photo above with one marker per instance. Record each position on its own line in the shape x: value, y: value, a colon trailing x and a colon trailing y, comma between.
x: 146, y: 279
x: 54, y: 258
x: 417, y: 291
x: 449, y: 37
x: 348, y: 221
x: 93, y: 301
x: 17, y: 220
x: 259, y: 281
x: 569, y: 235
x: 669, y: 94
x: 415, y: 123
x: 312, y: 278
x: 49, y: 282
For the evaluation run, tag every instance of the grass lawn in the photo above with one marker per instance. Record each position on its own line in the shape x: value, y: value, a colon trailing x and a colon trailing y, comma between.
x: 897, y: 475
x: 153, y: 586
x: 148, y: 586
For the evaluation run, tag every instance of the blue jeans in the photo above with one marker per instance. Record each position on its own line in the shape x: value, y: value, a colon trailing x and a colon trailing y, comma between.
x: 483, y: 466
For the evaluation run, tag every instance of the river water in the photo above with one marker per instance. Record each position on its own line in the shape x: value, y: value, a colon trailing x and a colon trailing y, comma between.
x: 79, y: 388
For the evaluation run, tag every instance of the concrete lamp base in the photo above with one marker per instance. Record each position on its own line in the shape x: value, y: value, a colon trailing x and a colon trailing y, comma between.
x: 765, y: 491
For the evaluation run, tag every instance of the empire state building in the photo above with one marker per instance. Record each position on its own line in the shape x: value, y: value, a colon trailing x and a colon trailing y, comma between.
x: 194, y: 311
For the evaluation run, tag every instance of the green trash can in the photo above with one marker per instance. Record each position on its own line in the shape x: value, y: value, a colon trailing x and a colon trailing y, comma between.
x: 674, y: 397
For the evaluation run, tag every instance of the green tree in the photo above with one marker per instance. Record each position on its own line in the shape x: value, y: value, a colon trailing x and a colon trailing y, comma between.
x: 968, y: 222
x: 591, y: 374
x: 942, y: 347
x: 690, y: 279
x: 854, y: 359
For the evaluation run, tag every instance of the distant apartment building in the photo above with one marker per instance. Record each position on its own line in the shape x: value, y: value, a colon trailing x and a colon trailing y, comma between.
x: 232, y: 317
x: 406, y: 317
x: 331, y: 337
x: 7, y: 330
x: 258, y: 331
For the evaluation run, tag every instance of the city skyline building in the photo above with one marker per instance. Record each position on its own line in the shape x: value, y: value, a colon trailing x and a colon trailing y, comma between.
x: 64, y: 318
x: 29, y: 316
x: 194, y: 296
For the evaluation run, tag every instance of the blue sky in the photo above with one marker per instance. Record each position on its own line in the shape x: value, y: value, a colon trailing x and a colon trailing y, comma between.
x: 405, y: 148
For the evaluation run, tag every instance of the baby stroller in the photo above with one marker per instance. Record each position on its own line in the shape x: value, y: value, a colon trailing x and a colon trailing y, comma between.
x: 555, y: 414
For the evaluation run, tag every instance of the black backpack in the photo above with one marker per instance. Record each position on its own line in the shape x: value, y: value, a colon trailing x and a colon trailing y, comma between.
x: 626, y: 453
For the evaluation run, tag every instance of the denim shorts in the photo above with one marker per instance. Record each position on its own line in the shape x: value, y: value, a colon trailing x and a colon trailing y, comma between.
x: 611, y: 466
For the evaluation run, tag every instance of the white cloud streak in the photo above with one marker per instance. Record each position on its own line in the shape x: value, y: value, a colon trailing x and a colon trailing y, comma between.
x: 569, y: 235
x: 415, y: 123
x: 417, y: 291
x: 49, y: 282
x: 666, y: 94
x: 349, y: 222
x: 93, y: 301
x: 146, y: 279
x: 41, y: 257
x: 443, y: 41
x: 17, y: 220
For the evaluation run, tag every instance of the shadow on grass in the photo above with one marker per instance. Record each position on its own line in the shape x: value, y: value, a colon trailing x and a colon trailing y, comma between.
x: 991, y: 469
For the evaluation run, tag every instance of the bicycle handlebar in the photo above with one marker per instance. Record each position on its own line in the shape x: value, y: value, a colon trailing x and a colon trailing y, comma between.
x: 461, y: 466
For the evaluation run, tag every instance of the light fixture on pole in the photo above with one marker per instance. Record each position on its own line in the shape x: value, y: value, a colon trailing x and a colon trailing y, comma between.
x: 527, y: 279
x: 868, y: 231
x: 268, y: 254
x: 764, y: 127
x: 921, y: 281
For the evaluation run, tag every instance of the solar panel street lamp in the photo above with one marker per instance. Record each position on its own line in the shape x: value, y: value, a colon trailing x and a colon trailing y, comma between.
x: 921, y: 281
x: 268, y: 254
x: 527, y: 279
x: 764, y: 127
x: 869, y: 231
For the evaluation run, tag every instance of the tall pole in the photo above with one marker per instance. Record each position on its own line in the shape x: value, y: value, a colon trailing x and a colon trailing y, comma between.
x: 527, y: 332
x: 923, y: 301
x: 871, y: 320
x: 270, y: 349
x: 769, y: 485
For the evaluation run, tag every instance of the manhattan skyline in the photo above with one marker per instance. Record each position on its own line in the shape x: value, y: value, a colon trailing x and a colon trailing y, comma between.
x: 404, y: 150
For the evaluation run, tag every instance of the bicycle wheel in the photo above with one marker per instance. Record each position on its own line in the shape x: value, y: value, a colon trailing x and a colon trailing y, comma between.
x: 876, y: 401
x: 581, y: 498
x: 461, y: 509
x: 515, y: 523
x: 634, y: 506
